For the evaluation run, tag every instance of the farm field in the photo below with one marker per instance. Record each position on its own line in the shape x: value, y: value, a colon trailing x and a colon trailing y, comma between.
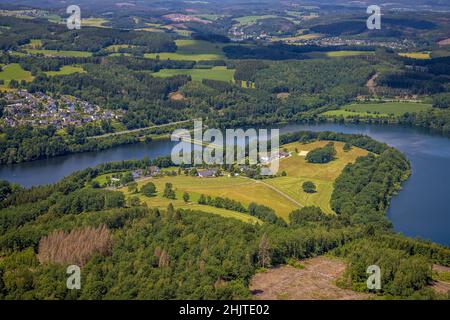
x: 14, y: 71
x: 378, y: 109
x: 301, y: 37
x: 215, y: 73
x: 338, y: 54
x: 161, y: 203
x: 283, y: 194
x: 416, y: 55
x: 94, y: 22
x: 60, y: 53
x: 322, y: 175
x: 240, y: 189
x: 34, y: 44
x: 246, y: 20
x: 65, y: 70
x: 196, y: 50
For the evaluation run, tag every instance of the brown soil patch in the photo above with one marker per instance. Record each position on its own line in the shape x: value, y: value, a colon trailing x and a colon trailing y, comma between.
x: 445, y: 42
x: 441, y: 287
x: 439, y: 268
x: 371, y: 84
x: 176, y: 96
x: 315, y: 282
x: 283, y: 95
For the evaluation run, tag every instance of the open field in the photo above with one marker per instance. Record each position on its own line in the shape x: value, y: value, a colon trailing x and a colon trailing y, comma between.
x: 65, y: 70
x: 34, y: 44
x: 160, y: 202
x: 240, y: 189
x: 215, y: 73
x: 378, y: 109
x: 301, y: 37
x: 14, y: 71
x: 316, y: 281
x: 94, y: 22
x: 60, y: 53
x: 283, y: 194
x: 322, y: 175
x: 195, y: 50
x: 416, y: 55
x: 117, y: 47
x: 338, y: 54
x: 246, y: 20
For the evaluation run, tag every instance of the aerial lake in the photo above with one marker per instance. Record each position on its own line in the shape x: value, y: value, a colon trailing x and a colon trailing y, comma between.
x: 421, y: 209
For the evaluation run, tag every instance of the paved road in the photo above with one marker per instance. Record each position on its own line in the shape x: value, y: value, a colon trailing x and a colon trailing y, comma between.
x: 139, y: 129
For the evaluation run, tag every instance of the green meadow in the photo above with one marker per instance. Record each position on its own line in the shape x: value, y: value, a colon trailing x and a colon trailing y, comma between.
x: 378, y: 109
x: 252, y: 19
x: 61, y: 53
x: 338, y: 54
x: 65, y: 70
x: 195, y: 50
x: 14, y: 71
x: 417, y: 55
x: 215, y: 73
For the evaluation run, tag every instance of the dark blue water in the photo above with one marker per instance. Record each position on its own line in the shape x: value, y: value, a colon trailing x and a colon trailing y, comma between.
x: 421, y: 209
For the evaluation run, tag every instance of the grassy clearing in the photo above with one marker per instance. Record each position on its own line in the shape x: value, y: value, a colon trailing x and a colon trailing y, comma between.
x: 196, y: 50
x: 246, y: 20
x: 102, y: 178
x: 338, y: 54
x: 378, y: 109
x: 14, y: 71
x: 302, y: 37
x: 54, y: 18
x: 238, y: 188
x: 94, y: 22
x: 34, y: 44
x: 160, y: 202
x: 117, y: 47
x: 215, y: 73
x: 416, y: 55
x: 60, y: 53
x: 65, y: 70
x: 323, y: 175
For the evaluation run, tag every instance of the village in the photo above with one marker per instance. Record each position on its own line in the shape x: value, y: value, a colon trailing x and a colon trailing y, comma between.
x: 40, y: 109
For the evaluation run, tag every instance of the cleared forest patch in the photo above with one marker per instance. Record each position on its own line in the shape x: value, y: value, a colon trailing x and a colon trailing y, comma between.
x: 314, y: 281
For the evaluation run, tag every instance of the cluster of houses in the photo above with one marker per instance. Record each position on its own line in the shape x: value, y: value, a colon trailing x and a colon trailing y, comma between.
x: 338, y: 41
x: 238, y: 33
x: 39, y: 108
x: 268, y: 157
x: 180, y: 18
x: 150, y: 171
